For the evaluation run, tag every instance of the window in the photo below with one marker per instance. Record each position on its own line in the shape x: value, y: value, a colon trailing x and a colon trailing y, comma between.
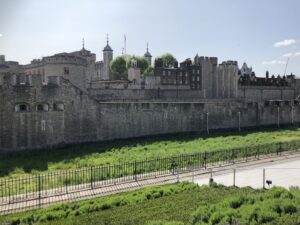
x: 22, y: 79
x: 42, y: 107
x: 66, y: 70
x: 164, y: 73
x: 22, y: 107
x: 58, y: 106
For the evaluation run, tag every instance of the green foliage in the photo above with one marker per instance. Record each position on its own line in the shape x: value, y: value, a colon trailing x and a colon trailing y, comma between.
x: 142, y: 63
x: 148, y: 71
x: 175, y: 204
x: 249, y: 208
x: 168, y: 60
x: 86, y: 155
x: 159, y: 222
x: 86, y: 207
x: 119, y: 68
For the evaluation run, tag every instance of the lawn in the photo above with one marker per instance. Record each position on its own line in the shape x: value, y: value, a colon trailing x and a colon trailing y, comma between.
x: 175, y: 204
x: 94, y: 154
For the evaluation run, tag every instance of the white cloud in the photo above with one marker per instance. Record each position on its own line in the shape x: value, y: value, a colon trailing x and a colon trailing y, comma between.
x: 273, y: 62
x: 288, y: 55
x: 1, y: 35
x: 286, y: 42
x: 291, y: 55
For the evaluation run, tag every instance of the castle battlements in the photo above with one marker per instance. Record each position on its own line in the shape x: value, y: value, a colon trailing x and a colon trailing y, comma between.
x: 70, y: 98
x: 62, y: 58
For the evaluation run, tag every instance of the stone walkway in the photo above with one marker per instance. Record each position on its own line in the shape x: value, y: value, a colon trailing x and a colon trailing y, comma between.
x: 282, y: 173
x: 196, y: 175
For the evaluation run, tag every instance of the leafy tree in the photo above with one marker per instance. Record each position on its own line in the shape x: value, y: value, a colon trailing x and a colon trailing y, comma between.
x: 142, y: 63
x: 148, y: 70
x: 119, y: 67
x: 168, y: 60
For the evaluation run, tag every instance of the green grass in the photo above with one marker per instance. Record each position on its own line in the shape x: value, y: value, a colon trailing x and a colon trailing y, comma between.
x: 175, y: 204
x: 33, y: 162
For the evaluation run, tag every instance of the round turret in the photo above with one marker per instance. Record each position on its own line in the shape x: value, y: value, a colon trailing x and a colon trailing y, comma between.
x: 107, y: 48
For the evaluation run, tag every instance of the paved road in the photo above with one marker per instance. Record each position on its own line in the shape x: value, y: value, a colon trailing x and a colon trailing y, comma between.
x: 284, y: 174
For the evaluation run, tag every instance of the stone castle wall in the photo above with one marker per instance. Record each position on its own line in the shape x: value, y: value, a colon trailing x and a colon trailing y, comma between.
x: 250, y: 93
x: 258, y: 93
x: 84, y: 119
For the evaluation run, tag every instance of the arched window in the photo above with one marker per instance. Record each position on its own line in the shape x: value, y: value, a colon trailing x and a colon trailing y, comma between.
x: 42, y: 107
x: 59, y: 106
x: 22, y: 107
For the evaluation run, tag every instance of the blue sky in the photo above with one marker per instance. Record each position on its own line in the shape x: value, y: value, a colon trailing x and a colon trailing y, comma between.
x: 263, y: 33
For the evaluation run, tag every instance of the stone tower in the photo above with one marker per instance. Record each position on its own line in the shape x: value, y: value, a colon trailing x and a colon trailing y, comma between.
x: 107, y: 58
x: 148, y: 56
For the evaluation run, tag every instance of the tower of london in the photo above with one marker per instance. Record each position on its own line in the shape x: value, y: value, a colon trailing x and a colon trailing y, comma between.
x: 70, y: 98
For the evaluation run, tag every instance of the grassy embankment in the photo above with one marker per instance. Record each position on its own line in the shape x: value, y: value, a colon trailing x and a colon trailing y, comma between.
x: 33, y: 162
x: 176, y: 204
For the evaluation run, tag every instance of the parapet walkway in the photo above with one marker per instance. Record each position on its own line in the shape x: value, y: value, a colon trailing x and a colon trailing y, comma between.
x: 134, y: 185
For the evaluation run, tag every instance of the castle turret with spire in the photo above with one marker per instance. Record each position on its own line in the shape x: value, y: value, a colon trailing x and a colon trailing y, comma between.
x: 148, y: 56
x: 107, y: 58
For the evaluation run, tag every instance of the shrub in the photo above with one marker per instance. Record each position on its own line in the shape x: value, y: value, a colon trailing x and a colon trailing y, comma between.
x: 266, y: 217
x: 289, y: 209
x: 236, y: 203
x: 148, y: 196
x: 216, y: 218
x: 105, y: 206
x: 276, y: 208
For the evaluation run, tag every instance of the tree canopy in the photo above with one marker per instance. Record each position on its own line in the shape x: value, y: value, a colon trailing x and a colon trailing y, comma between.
x: 119, y: 67
x: 167, y: 59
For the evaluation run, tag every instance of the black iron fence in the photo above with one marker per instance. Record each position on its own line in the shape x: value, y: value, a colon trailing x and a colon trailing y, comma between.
x: 36, y: 187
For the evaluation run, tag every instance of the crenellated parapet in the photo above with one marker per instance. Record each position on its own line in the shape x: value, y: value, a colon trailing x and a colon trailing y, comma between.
x: 22, y: 80
x: 63, y: 58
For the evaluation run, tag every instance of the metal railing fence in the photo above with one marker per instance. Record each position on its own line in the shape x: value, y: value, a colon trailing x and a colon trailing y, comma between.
x: 36, y: 187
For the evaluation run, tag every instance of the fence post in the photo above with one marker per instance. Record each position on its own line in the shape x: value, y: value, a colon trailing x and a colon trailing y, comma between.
x: 264, y: 177
x: 9, y: 201
x: 135, y: 177
x: 91, y: 170
x: 280, y: 148
x: 193, y: 176
x: 39, y: 186
x: 234, y: 177
x: 205, y: 156
x: 66, y: 183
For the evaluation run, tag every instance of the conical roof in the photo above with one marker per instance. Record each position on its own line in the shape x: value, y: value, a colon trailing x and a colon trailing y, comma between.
x: 107, y: 48
x: 147, y: 54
